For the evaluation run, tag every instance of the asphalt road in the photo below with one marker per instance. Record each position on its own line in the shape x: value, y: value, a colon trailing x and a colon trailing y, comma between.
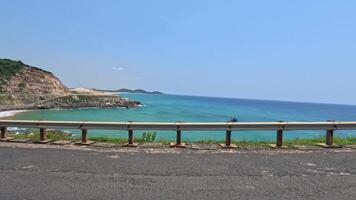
x: 32, y: 173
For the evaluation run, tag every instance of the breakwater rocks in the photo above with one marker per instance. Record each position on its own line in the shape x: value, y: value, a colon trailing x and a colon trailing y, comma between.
x: 76, y: 101
x: 86, y: 101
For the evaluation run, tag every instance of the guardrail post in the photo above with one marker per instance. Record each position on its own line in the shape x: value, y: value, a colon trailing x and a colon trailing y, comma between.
x: 84, y: 140
x: 279, y: 142
x: 84, y: 135
x: 131, y: 138
x: 3, y: 133
x: 279, y: 137
x: 228, y: 139
x: 329, y: 137
x: 178, y: 142
x: 179, y: 136
x: 43, y: 134
x: 43, y: 137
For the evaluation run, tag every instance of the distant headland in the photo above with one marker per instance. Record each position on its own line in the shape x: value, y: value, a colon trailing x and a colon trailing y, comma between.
x: 24, y: 87
x: 130, y: 91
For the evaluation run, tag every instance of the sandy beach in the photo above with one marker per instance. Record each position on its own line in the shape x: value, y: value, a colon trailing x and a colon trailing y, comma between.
x: 10, y: 113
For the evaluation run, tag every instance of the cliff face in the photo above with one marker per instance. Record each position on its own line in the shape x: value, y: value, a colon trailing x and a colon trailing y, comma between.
x: 26, y: 87
x: 24, y: 84
x: 35, y: 81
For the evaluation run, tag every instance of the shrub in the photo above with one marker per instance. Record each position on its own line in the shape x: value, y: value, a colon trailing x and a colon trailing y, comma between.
x: 149, y: 136
x: 8, y: 68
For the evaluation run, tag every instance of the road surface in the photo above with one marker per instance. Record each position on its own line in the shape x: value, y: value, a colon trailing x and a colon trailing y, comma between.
x: 57, y: 173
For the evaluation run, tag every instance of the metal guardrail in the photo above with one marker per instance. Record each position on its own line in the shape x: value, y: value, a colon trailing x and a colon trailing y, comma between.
x: 279, y: 127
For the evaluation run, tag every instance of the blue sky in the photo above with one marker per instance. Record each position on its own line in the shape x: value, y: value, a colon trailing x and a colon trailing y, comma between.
x: 280, y: 50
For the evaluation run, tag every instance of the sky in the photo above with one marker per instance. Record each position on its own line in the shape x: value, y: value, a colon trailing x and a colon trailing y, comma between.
x: 297, y: 50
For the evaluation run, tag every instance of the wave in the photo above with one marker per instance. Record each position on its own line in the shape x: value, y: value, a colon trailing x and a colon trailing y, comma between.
x: 11, y: 113
x: 16, y: 129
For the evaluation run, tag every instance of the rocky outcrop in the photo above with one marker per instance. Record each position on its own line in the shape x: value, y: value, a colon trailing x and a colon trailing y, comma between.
x: 86, y: 101
x: 22, y: 84
x: 35, y: 81
x: 26, y: 87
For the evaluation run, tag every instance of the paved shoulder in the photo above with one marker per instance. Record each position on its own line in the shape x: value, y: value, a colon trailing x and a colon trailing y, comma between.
x: 75, y: 174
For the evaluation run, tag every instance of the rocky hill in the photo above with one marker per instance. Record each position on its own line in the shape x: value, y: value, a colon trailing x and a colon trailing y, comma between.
x: 26, y: 87
x: 34, y: 80
x: 24, y: 84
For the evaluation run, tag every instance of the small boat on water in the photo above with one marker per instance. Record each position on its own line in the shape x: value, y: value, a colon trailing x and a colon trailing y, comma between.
x: 233, y: 119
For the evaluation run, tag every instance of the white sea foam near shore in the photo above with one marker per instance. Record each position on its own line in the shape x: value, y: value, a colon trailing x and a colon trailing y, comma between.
x: 10, y: 113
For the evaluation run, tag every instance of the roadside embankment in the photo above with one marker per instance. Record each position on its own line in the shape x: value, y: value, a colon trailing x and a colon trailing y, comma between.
x: 149, y: 139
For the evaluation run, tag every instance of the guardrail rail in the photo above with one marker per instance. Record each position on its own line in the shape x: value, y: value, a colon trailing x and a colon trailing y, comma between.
x: 179, y: 127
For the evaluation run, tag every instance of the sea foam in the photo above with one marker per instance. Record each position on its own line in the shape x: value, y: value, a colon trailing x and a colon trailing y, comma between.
x: 10, y: 113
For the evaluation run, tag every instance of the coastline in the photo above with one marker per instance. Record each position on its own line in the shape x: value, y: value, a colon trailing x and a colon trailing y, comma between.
x: 72, y: 101
x: 173, y: 108
x: 10, y: 113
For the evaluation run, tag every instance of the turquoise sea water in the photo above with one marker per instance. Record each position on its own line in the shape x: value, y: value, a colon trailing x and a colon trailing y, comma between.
x: 171, y: 108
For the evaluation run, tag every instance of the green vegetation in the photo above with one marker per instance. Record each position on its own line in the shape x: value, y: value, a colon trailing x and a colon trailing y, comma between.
x: 59, y: 135
x: 8, y: 68
x: 146, y: 137
x: 288, y: 142
x: 151, y: 137
x: 6, y: 99
x: 106, y: 139
x: 51, y: 134
x: 76, y: 99
x: 320, y: 139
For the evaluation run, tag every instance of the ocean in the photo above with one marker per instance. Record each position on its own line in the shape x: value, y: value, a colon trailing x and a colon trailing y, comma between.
x: 172, y: 108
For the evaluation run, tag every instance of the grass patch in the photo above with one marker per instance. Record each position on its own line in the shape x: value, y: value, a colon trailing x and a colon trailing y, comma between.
x: 236, y: 142
x: 151, y: 137
x: 288, y: 142
x: 106, y: 139
x: 146, y: 137
x: 51, y: 135
x: 321, y: 139
x: 164, y: 141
